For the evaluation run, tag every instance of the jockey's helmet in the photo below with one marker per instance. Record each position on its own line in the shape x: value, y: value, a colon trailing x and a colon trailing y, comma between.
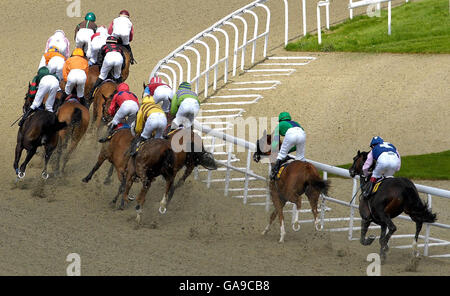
x: 156, y: 79
x: 124, y: 12
x: 185, y: 85
x: 375, y: 141
x: 90, y: 16
x: 78, y: 52
x: 284, y: 116
x: 111, y: 39
x: 43, y: 71
x: 123, y: 87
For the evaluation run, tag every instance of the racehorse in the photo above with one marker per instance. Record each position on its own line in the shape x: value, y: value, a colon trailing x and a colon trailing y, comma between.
x: 297, y: 177
x: 392, y: 197
x: 94, y: 72
x: 154, y: 158
x: 77, y: 117
x: 39, y: 129
x: 105, y: 90
x: 189, y: 152
x: 116, y: 152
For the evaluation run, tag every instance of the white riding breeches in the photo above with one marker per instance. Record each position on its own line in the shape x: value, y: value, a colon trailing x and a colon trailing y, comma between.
x: 163, y: 93
x: 83, y: 39
x: 56, y: 65
x: 96, y: 45
x: 387, y: 164
x: 76, y: 78
x: 126, y: 113
x: 186, y: 113
x: 48, y: 85
x: 295, y: 136
x: 113, y: 61
x: 155, y: 122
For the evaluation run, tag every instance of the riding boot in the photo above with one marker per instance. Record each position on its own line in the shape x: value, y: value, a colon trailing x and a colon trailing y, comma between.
x: 119, y: 80
x: 132, y: 60
x: 368, y: 191
x: 63, y: 97
x: 83, y: 102
x: 25, y: 116
x: 276, y: 168
x: 96, y: 84
x: 136, y: 144
x: 109, y: 134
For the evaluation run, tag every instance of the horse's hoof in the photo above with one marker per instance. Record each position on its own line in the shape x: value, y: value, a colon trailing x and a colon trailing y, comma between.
x: 319, y: 227
x: 162, y: 210
x: 106, y: 182
x: 44, y: 175
x: 281, y: 241
x: 131, y: 197
x: 296, y: 226
x: 416, y: 253
x: 85, y: 180
x: 21, y: 175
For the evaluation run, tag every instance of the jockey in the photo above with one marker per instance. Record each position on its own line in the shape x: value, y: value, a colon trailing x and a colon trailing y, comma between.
x: 84, y: 32
x: 54, y: 60
x: 97, y: 42
x: 43, y: 83
x: 59, y: 40
x: 150, y: 117
x: 387, y: 162
x: 185, y: 105
x: 294, y: 140
x: 75, y: 74
x: 124, y: 104
x: 111, y: 58
x: 160, y: 92
x: 122, y: 28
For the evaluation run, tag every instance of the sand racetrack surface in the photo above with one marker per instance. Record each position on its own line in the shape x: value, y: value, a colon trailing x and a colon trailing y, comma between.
x: 204, y: 233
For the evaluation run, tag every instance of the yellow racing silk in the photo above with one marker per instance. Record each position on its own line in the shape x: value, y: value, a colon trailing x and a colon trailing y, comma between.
x: 148, y: 107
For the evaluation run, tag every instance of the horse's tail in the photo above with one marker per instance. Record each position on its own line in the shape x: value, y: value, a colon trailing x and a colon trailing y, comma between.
x: 168, y: 160
x: 77, y: 116
x: 417, y: 209
x: 321, y: 185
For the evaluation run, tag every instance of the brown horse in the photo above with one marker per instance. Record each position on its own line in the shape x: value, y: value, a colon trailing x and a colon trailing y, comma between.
x: 155, y: 157
x: 105, y: 90
x: 39, y: 129
x: 392, y: 197
x: 94, y: 72
x: 189, y: 152
x: 77, y: 117
x: 298, y: 177
x: 116, y: 152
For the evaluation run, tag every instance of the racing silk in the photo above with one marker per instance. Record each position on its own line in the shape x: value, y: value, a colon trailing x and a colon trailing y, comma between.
x: 375, y: 153
x: 151, y: 87
x: 59, y: 39
x: 281, y: 130
x: 35, y: 84
x: 118, y: 100
x: 75, y: 62
x: 85, y: 25
x: 121, y: 22
x: 148, y: 107
x: 178, y: 98
x: 109, y: 47
x: 51, y: 53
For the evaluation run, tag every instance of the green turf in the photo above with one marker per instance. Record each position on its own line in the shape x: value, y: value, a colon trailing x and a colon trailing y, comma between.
x: 417, y: 27
x: 434, y: 166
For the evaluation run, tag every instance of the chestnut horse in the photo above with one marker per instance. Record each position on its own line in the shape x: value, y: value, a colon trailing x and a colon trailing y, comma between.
x: 77, y: 117
x: 94, y: 72
x: 154, y: 158
x: 189, y: 152
x: 392, y: 197
x: 105, y: 90
x: 116, y: 152
x: 298, y: 177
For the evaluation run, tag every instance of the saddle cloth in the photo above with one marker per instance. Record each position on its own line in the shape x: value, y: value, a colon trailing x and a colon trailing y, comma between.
x: 282, y: 167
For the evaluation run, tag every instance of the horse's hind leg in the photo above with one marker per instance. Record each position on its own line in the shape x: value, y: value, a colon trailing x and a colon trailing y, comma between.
x: 110, y: 173
x: 364, y: 227
x: 416, y: 252
x: 30, y: 154
x: 186, y: 174
x: 19, y: 149
x: 141, y: 200
x: 272, y: 217
x: 384, y: 242
x: 313, y: 198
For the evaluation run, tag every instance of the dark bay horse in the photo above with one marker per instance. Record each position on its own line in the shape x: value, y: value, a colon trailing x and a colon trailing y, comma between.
x: 39, y: 129
x: 189, y: 152
x: 298, y: 177
x: 154, y: 158
x: 393, y: 196
x: 77, y: 117
x: 116, y: 151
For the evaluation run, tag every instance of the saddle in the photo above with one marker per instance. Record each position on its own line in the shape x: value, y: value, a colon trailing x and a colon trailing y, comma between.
x: 103, y: 82
x: 282, y: 167
x: 118, y: 128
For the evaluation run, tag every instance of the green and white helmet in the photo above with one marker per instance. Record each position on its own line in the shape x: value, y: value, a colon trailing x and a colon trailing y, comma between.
x: 90, y: 16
